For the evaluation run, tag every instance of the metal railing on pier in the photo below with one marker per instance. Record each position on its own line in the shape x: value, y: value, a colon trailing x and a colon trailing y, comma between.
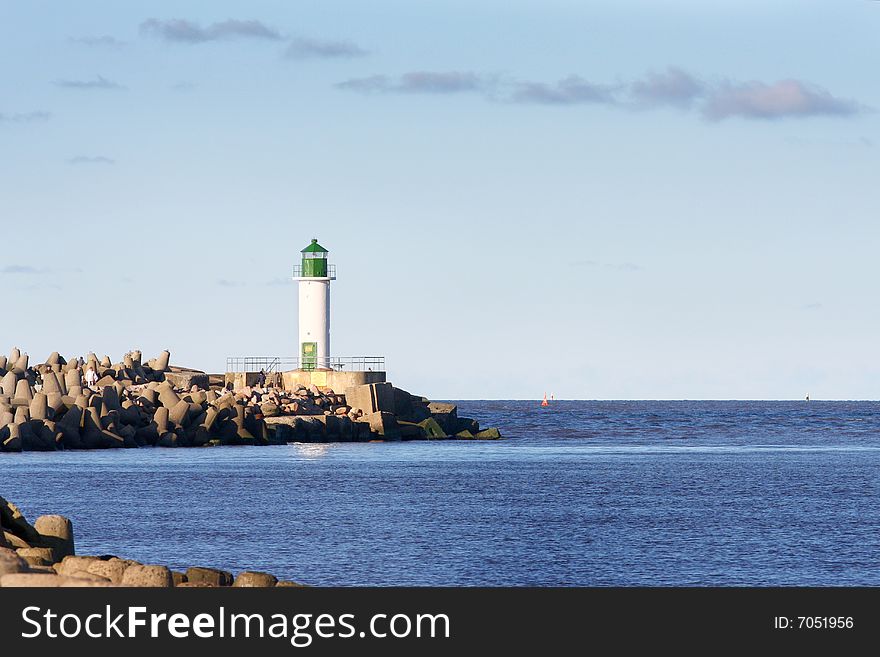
x: 284, y: 363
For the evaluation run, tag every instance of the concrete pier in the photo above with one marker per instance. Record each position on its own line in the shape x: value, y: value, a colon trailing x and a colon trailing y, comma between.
x: 293, y: 379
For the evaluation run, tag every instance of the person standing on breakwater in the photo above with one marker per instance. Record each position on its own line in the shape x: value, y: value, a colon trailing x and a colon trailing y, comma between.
x: 261, y: 379
x: 91, y: 378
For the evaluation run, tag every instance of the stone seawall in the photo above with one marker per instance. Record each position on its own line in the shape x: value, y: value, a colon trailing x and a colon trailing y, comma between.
x: 87, y: 403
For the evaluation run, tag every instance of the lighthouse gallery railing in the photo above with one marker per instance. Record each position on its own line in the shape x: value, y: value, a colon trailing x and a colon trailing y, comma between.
x: 298, y: 272
x: 284, y: 363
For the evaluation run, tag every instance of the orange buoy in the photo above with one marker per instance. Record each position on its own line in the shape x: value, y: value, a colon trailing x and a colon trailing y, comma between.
x: 544, y: 402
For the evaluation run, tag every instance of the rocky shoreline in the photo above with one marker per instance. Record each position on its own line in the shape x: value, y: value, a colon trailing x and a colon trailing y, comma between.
x: 87, y: 403
x: 44, y: 555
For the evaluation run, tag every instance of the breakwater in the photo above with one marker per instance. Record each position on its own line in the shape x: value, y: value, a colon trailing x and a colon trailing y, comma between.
x: 87, y: 403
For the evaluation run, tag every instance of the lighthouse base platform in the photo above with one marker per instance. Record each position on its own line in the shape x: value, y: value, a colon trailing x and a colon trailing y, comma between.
x: 290, y: 380
x: 337, y: 379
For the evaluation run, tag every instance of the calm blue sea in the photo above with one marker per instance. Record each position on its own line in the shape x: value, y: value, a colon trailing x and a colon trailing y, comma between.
x: 582, y: 493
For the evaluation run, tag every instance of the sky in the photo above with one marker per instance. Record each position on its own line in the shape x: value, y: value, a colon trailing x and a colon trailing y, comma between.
x: 599, y: 200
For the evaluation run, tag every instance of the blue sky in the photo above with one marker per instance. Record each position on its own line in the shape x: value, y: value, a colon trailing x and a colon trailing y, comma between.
x: 631, y: 199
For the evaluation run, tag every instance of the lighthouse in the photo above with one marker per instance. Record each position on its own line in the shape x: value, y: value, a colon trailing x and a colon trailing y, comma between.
x: 314, y: 276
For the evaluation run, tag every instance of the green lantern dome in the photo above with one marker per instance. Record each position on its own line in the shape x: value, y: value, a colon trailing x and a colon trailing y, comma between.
x: 314, y: 247
x: 314, y: 260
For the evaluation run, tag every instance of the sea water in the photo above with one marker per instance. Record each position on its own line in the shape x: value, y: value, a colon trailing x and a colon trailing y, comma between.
x: 580, y: 493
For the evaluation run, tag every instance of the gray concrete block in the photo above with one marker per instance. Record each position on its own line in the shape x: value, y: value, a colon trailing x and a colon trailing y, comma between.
x: 384, y: 424
x: 371, y: 397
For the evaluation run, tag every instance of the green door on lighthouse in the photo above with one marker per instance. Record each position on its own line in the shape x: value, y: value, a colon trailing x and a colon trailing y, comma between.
x: 309, y: 355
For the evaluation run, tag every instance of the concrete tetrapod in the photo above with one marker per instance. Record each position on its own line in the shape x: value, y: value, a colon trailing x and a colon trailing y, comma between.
x: 11, y: 438
x: 50, y: 383
x: 56, y: 532
x: 21, y: 364
x: 39, y: 407
x: 22, y: 415
x: 8, y: 384
x: 167, y: 396
x: 23, y: 391
x: 160, y: 364
x: 73, y: 378
x: 147, y: 576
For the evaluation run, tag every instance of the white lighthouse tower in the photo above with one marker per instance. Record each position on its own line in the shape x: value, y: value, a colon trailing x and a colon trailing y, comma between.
x: 314, y: 276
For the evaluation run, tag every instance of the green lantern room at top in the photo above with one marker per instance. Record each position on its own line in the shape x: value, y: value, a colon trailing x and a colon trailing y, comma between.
x: 314, y: 260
